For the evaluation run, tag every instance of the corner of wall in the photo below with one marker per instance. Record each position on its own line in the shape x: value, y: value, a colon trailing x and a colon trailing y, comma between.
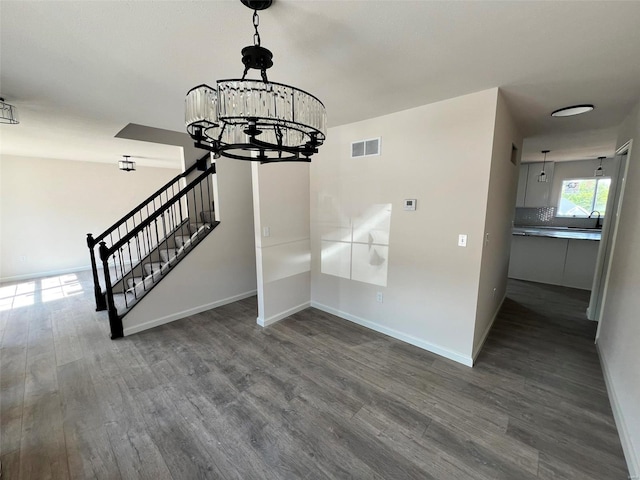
x: 500, y: 204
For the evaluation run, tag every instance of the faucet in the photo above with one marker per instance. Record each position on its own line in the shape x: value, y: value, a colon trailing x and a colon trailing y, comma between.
x: 598, y: 224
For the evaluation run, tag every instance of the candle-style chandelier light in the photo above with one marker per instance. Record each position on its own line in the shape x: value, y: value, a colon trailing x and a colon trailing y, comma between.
x: 255, y: 120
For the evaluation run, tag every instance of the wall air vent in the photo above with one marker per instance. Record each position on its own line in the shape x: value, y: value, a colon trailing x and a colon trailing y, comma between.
x: 365, y: 148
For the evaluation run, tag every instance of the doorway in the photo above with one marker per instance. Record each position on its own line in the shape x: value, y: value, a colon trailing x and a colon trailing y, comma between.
x: 607, y: 245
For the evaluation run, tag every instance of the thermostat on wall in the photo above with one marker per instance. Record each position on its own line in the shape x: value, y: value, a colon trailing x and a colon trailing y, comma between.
x: 410, y: 204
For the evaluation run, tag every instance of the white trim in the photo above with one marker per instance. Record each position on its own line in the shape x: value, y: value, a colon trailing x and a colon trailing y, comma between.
x: 287, y: 313
x: 185, y: 313
x: 49, y: 273
x: 488, y: 329
x: 444, y: 352
x: 630, y: 454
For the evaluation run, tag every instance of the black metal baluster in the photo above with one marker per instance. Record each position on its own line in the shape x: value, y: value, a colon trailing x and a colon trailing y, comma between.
x: 166, y: 238
x: 157, y: 247
x: 140, y: 266
x: 203, y: 214
x: 130, y: 273
x: 195, y: 207
x: 209, y: 181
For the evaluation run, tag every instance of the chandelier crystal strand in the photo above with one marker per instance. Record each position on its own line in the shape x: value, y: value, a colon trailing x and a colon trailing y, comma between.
x: 256, y: 119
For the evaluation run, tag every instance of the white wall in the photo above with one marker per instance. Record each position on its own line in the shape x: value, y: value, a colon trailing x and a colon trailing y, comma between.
x: 48, y: 206
x: 501, y: 197
x: 220, y: 270
x: 619, y: 335
x: 283, y: 258
x: 441, y: 155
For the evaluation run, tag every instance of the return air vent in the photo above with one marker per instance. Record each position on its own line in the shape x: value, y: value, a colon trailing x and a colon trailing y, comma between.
x: 365, y: 148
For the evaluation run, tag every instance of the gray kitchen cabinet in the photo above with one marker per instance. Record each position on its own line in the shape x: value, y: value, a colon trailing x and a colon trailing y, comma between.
x: 537, y: 193
x: 557, y: 261
x: 580, y: 265
x: 522, y: 184
x: 537, y: 259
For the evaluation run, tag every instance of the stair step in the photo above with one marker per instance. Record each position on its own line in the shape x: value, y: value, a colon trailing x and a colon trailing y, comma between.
x: 208, y: 216
x: 152, y: 267
x: 167, y: 255
x: 196, y: 228
x: 132, y: 282
x: 182, y: 240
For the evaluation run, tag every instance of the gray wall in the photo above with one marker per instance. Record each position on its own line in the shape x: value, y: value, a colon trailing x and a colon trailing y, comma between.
x: 501, y: 197
x: 219, y: 270
x: 439, y: 154
x: 48, y: 206
x: 283, y: 258
x: 619, y: 335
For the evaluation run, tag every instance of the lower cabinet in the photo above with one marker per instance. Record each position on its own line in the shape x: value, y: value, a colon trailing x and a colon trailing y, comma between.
x: 558, y: 261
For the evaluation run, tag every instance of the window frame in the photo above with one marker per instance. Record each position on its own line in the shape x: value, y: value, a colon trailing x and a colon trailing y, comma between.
x: 593, y: 198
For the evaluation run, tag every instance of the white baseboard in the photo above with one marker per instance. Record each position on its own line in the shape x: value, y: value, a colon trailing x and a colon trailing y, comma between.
x: 477, y: 350
x: 185, y: 313
x: 630, y: 453
x: 275, y: 318
x: 444, y: 352
x: 48, y: 273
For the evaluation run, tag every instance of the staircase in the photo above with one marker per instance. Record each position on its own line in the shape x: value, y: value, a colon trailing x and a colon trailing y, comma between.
x: 141, y: 248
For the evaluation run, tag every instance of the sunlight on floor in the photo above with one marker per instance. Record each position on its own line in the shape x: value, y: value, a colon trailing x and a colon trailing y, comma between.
x: 38, y: 291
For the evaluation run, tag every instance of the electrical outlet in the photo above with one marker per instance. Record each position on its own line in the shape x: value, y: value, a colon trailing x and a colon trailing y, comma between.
x: 462, y: 240
x: 379, y: 297
x: 266, y: 231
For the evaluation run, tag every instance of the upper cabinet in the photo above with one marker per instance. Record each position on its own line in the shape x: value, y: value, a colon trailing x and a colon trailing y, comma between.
x: 522, y: 184
x: 532, y: 193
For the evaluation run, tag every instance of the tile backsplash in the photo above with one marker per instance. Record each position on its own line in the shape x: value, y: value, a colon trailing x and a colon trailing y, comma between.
x: 545, y: 217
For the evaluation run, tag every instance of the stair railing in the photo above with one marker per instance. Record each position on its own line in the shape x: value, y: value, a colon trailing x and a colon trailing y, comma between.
x: 133, y: 264
x: 132, y: 219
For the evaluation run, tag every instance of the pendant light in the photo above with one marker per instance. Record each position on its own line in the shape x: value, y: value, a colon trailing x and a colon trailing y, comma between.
x: 542, y: 177
x: 8, y: 113
x: 600, y: 170
x: 127, y: 165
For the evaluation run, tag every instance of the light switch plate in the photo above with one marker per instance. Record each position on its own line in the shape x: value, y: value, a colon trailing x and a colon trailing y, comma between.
x: 462, y: 240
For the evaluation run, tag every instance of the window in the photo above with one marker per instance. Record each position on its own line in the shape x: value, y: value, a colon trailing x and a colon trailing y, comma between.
x: 580, y: 196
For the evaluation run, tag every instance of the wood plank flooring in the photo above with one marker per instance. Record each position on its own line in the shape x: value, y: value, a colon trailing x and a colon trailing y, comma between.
x: 314, y: 396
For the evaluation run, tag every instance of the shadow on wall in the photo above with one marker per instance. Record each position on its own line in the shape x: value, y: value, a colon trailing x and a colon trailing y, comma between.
x: 356, y: 246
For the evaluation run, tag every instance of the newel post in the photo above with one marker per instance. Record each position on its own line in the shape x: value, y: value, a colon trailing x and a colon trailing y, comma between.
x: 115, y: 322
x: 97, y: 289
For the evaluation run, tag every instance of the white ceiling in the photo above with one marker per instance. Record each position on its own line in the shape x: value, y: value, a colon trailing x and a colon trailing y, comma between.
x: 81, y: 71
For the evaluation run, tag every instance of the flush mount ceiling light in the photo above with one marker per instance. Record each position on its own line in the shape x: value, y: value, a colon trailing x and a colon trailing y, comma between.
x: 255, y: 119
x: 127, y: 165
x: 542, y: 177
x: 8, y: 113
x: 599, y: 172
x: 573, y: 110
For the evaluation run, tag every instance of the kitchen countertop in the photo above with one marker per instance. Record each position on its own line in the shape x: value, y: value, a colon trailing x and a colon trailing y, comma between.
x: 559, y: 232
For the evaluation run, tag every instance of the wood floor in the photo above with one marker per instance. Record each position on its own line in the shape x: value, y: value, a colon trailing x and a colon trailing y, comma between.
x: 314, y: 396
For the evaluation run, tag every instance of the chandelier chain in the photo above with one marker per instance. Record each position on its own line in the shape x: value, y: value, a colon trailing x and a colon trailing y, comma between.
x: 256, y: 24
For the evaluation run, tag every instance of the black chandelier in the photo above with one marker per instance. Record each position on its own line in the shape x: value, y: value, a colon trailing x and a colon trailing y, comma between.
x: 255, y: 120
